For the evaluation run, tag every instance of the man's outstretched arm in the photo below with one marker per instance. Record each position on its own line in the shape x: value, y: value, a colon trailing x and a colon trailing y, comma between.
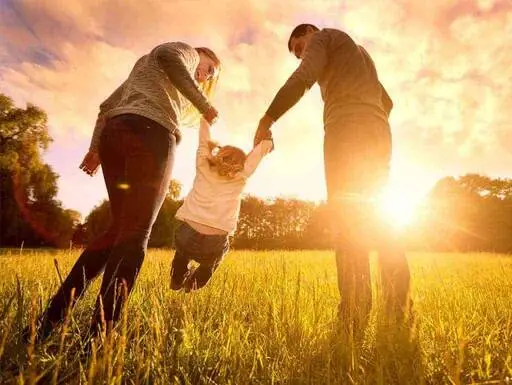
x: 308, y: 72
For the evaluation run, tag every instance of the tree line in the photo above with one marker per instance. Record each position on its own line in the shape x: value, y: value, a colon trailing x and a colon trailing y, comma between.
x: 469, y: 213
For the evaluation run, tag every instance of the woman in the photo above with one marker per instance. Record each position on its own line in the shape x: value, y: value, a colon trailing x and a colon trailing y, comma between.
x: 134, y: 140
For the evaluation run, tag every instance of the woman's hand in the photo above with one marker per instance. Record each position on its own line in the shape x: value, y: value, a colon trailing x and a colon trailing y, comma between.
x: 211, y: 115
x: 91, y: 163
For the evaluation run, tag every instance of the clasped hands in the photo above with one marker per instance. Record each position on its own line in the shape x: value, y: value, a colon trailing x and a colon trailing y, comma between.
x: 262, y: 132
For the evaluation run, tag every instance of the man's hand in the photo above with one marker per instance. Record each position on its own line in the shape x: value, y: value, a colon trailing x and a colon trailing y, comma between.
x: 263, y: 131
x: 91, y: 163
x: 211, y: 115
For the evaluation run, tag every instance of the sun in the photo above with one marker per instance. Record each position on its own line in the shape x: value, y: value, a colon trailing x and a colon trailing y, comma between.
x: 399, y: 206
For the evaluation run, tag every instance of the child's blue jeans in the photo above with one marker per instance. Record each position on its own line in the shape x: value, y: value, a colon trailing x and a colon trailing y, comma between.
x: 207, y: 250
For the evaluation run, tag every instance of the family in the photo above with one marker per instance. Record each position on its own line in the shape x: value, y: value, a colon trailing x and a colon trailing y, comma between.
x: 134, y: 141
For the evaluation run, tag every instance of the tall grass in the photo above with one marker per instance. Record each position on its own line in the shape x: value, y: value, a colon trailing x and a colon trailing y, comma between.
x: 265, y: 318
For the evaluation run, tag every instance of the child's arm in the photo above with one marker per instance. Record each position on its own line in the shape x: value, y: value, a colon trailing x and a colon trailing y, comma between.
x: 256, y: 155
x: 203, y: 148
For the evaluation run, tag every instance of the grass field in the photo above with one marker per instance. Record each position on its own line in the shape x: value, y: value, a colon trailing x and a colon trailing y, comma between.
x: 269, y: 318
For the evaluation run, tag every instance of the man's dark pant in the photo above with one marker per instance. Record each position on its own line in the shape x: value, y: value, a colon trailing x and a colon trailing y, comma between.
x: 137, y: 157
x: 207, y: 250
x: 357, y: 153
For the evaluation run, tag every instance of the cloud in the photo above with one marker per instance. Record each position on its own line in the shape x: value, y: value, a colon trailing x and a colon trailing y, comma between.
x: 446, y: 65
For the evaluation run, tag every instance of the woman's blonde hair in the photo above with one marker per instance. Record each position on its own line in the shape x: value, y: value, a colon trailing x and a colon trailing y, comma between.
x: 191, y: 115
x: 228, y: 161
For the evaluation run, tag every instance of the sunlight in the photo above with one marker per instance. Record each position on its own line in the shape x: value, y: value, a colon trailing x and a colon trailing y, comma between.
x: 399, y: 206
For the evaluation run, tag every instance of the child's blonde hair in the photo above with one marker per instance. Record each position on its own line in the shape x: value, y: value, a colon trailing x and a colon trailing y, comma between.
x: 228, y: 161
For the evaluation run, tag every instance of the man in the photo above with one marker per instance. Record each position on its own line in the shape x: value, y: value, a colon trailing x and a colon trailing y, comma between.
x: 357, y: 153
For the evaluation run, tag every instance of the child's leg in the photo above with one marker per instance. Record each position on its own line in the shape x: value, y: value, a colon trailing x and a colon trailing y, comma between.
x: 213, y: 248
x: 184, y: 237
x: 200, y: 276
x: 179, y: 270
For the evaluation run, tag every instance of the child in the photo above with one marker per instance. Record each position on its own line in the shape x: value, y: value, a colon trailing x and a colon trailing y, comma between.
x: 210, y: 211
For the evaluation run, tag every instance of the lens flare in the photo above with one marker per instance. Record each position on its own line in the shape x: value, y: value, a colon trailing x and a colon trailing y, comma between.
x: 399, y: 207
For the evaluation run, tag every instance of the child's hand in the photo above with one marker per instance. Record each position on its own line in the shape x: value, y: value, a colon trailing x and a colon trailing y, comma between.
x: 268, y: 147
x: 273, y: 146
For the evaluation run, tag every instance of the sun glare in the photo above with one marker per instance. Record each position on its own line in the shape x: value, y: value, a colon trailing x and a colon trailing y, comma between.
x: 399, y: 207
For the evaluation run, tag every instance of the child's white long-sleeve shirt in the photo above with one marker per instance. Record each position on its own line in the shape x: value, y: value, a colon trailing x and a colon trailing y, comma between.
x: 215, y: 200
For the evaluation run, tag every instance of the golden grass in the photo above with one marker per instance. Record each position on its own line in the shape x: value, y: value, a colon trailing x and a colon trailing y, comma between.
x: 265, y: 318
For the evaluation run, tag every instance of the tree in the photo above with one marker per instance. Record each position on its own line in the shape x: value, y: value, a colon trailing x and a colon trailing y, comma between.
x: 29, y: 212
x: 472, y: 212
x: 165, y: 224
x: 317, y: 232
x: 254, y: 226
x: 98, y: 220
x: 281, y: 224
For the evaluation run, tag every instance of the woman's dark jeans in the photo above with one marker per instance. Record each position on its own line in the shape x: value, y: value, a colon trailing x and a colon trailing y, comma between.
x: 137, y: 157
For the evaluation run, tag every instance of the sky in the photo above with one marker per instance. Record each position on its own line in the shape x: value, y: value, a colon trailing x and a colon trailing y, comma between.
x: 447, y: 65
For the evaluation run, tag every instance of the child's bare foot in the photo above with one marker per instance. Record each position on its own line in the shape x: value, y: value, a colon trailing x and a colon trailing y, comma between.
x: 190, y: 281
x: 178, y: 278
